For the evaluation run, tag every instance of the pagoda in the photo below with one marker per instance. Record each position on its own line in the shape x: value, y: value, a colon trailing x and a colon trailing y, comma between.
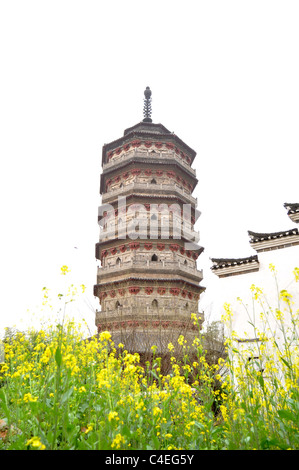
x: 148, y: 283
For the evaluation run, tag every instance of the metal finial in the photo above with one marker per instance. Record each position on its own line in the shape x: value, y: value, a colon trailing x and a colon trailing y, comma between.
x: 147, y: 108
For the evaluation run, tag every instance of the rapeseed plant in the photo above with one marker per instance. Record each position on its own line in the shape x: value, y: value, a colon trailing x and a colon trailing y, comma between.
x: 62, y: 391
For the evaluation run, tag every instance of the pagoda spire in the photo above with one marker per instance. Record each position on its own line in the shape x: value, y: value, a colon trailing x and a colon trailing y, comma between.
x: 147, y: 108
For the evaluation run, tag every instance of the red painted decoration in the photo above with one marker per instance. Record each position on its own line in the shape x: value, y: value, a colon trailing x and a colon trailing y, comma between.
x: 174, y: 291
x: 149, y: 290
x: 134, y: 245
x: 134, y: 290
x: 174, y: 247
x: 169, y: 146
x: 161, y: 290
x: 148, y: 246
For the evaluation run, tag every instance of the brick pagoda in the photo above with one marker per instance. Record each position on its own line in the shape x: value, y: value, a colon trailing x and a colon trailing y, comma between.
x: 148, y: 283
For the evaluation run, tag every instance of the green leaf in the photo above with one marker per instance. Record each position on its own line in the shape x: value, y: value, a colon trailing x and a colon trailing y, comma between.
x: 235, y: 351
x: 58, y: 357
x: 126, y: 431
x: 261, y: 381
x: 285, y: 414
x: 268, y: 443
x: 66, y: 395
x: 285, y: 362
x: 156, y: 442
x: 3, y: 403
x: 199, y: 425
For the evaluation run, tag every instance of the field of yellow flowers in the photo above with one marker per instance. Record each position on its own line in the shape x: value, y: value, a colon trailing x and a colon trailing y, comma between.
x: 61, y: 391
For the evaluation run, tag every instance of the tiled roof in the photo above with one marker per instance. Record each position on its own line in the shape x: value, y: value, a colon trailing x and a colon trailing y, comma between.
x: 258, y: 237
x: 226, y: 262
x: 292, y: 207
x: 148, y: 130
x: 148, y: 127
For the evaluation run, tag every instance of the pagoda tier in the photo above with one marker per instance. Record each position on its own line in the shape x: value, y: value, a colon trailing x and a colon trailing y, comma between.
x: 148, y: 283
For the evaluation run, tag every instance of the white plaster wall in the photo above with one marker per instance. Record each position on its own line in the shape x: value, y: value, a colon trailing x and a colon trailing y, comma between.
x: 228, y: 289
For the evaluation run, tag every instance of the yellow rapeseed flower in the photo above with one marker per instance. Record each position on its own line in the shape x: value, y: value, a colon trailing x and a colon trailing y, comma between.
x: 88, y: 429
x: 64, y: 270
x: 36, y: 443
x: 272, y: 268
x: 105, y: 336
x: 117, y: 441
x: 113, y: 415
x: 157, y: 411
x: 285, y: 296
x: 29, y: 398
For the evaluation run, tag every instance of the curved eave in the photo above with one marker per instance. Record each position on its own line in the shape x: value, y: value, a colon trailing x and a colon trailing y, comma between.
x: 132, y: 162
x: 130, y: 135
x: 155, y: 128
x: 163, y: 197
x: 226, y: 262
x: 107, y: 243
x: 195, y: 286
x: 256, y: 237
x: 292, y: 207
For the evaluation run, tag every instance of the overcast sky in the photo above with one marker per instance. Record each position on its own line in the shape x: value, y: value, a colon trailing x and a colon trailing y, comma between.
x: 224, y: 77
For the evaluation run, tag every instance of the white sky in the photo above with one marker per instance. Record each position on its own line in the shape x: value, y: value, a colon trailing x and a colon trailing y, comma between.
x: 224, y: 77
